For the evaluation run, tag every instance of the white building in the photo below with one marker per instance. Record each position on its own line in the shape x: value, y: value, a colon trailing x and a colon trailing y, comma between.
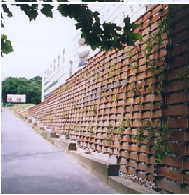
x: 72, y: 59
x: 55, y: 75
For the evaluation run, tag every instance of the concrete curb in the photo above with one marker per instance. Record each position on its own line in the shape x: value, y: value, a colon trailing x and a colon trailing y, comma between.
x: 96, y: 167
x: 99, y: 168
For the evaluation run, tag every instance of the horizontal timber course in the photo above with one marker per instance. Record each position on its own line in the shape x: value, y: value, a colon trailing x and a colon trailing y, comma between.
x: 122, y: 100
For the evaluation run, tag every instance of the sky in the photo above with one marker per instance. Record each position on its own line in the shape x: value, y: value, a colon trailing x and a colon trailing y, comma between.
x: 35, y: 43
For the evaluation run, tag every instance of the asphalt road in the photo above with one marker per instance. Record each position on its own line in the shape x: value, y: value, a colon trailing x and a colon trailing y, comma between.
x: 31, y: 165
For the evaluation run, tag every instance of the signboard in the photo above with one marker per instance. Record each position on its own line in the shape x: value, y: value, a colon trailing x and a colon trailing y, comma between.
x: 16, y: 98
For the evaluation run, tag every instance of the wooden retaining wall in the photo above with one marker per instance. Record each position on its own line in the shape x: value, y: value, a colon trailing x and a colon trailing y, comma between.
x: 121, y: 102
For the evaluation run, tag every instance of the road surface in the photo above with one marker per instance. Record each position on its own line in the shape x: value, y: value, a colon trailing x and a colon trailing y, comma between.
x: 31, y: 165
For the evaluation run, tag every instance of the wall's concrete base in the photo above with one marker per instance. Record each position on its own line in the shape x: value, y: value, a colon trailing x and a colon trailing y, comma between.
x: 117, y: 182
x: 98, y: 167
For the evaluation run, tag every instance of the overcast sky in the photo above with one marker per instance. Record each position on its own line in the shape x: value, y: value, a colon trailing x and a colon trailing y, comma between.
x: 35, y: 43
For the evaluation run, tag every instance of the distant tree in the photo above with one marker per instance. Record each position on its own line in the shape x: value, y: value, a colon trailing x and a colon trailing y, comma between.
x: 36, y: 78
x: 30, y: 87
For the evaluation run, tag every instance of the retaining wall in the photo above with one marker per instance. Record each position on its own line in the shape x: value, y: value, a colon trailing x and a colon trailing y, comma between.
x: 130, y: 102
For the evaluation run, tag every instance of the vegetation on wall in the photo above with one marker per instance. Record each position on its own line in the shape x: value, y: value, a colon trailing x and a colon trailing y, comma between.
x: 30, y: 87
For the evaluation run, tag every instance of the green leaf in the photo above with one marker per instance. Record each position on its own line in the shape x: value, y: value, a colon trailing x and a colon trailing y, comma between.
x: 47, y: 10
x: 7, y: 10
x: 30, y: 10
x: 6, y: 46
x: 135, y: 25
x: 136, y: 36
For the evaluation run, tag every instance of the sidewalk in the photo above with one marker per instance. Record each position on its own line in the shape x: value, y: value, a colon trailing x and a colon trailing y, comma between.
x: 31, y: 165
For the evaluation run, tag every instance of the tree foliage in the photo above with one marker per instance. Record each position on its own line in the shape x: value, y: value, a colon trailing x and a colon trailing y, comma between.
x: 6, y: 46
x: 100, y: 35
x: 30, y: 87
